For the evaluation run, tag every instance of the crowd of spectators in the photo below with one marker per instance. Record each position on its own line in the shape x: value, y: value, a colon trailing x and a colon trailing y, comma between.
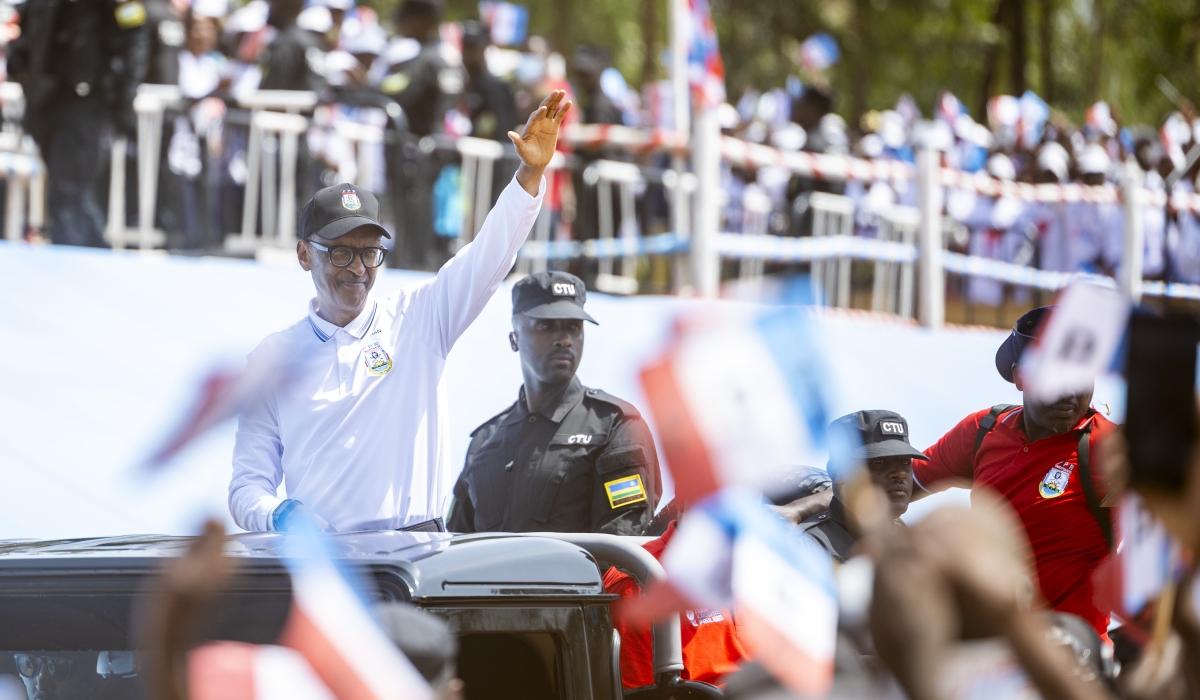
x: 1020, y: 139
x: 477, y: 77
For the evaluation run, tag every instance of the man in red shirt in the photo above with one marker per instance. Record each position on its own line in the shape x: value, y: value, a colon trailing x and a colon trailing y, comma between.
x: 1038, y: 457
x: 711, y: 647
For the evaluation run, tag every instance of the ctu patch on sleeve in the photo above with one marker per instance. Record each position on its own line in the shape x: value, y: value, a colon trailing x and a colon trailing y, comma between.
x: 131, y: 15
x: 625, y: 491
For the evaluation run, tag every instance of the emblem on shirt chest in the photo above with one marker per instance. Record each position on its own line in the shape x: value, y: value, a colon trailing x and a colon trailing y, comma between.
x: 704, y: 617
x: 1055, y: 482
x: 376, y: 359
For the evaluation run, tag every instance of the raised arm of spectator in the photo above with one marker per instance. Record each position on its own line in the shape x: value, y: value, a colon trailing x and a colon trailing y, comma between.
x: 443, y: 308
x: 951, y: 459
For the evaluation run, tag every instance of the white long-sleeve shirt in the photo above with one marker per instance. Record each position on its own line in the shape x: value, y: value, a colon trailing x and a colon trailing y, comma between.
x: 359, y: 433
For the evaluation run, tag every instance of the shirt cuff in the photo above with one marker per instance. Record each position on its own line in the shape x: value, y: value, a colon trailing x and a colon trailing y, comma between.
x: 268, y: 505
x: 525, y: 199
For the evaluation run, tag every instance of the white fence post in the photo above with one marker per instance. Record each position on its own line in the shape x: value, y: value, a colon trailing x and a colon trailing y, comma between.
x: 116, y: 193
x: 930, y: 272
x: 706, y: 258
x: 1133, y: 201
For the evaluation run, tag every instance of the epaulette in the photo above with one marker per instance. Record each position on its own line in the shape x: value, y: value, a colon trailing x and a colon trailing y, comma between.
x: 814, y: 521
x: 627, y: 409
x: 491, y: 421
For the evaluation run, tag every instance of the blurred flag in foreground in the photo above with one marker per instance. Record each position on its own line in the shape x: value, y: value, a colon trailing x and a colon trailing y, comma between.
x: 731, y: 554
x: 1147, y: 564
x: 706, y: 71
x: 221, y: 396
x: 508, y: 22
x: 239, y: 671
x: 818, y: 52
x: 737, y: 399
x: 1077, y: 341
x: 331, y: 627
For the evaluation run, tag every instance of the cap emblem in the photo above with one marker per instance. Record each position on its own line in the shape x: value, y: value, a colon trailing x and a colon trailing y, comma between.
x: 350, y: 200
x: 891, y: 427
x: 563, y: 289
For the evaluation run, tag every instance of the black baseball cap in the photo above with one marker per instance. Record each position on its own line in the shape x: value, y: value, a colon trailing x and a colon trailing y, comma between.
x: 551, y: 294
x: 335, y: 211
x: 1021, y: 336
x: 883, y: 434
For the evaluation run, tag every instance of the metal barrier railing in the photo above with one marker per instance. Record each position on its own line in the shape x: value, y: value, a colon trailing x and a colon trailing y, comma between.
x: 21, y: 167
x: 624, y: 194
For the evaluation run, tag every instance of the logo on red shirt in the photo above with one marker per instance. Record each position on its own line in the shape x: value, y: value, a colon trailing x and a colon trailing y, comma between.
x: 702, y: 617
x: 1055, y: 483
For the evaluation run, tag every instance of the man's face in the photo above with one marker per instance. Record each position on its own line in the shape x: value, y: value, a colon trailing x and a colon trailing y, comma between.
x: 894, y: 476
x: 341, y: 288
x: 1059, y: 416
x: 550, y: 348
x: 56, y: 676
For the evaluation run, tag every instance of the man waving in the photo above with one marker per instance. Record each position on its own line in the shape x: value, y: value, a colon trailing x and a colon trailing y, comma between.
x: 359, y: 433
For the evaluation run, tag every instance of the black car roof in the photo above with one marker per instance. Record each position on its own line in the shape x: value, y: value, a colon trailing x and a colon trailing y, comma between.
x: 432, y: 565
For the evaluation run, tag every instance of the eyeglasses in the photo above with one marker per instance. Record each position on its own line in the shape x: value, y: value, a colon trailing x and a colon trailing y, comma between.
x: 31, y: 666
x: 341, y: 256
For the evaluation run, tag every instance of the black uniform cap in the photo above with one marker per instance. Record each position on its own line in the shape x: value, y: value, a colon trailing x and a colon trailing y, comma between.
x: 1022, y: 334
x: 550, y: 295
x: 335, y: 211
x: 883, y: 434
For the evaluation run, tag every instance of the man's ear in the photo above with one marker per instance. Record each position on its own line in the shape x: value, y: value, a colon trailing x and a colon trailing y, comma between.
x: 512, y: 341
x: 302, y: 255
x: 1016, y: 373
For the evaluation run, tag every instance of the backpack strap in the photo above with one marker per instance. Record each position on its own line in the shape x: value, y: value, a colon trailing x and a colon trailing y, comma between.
x: 989, y: 421
x: 1103, y: 519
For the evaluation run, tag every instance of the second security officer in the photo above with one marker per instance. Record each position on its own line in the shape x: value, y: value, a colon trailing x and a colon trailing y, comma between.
x: 563, y: 458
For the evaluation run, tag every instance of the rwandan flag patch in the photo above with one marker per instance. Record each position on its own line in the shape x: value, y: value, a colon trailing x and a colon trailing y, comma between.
x: 623, y: 492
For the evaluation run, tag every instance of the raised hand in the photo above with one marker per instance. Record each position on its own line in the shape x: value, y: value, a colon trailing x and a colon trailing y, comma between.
x: 536, y: 145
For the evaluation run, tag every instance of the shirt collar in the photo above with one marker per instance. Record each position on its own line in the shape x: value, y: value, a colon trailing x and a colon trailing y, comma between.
x: 1015, y: 420
x: 555, y: 410
x: 357, y: 328
x: 841, y: 516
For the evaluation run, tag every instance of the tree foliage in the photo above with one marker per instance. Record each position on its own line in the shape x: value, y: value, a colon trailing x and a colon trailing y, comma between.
x: 1072, y: 52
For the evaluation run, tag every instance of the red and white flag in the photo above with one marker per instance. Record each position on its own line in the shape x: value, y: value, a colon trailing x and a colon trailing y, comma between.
x: 730, y: 554
x: 334, y: 631
x: 737, y: 400
x: 221, y: 395
x: 239, y: 671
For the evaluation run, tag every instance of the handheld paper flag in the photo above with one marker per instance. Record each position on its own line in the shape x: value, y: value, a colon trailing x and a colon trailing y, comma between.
x: 731, y: 554
x: 221, y: 396
x: 1077, y: 342
x: 238, y: 671
x: 737, y: 400
x: 332, y: 628
x: 706, y: 71
x: 1148, y: 554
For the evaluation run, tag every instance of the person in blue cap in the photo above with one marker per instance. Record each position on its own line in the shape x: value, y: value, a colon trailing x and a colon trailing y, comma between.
x: 563, y: 457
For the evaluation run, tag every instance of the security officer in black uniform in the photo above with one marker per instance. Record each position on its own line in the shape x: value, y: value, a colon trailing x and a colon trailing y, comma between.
x: 294, y: 60
x: 79, y: 64
x: 888, y: 456
x: 424, y: 85
x: 563, y: 458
